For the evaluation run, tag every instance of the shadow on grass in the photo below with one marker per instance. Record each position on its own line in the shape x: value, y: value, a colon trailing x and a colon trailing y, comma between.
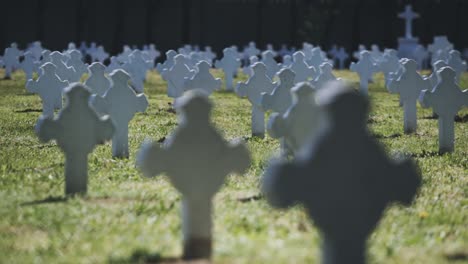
x: 50, y: 199
x: 143, y: 256
x: 461, y: 119
x: 432, y: 117
x: 426, y: 154
x: 29, y: 110
x: 380, y: 136
x: 458, y: 118
x: 251, y: 198
x: 457, y: 256
x: 170, y: 108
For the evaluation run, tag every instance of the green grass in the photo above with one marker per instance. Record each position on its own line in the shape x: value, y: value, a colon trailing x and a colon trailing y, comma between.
x: 127, y: 218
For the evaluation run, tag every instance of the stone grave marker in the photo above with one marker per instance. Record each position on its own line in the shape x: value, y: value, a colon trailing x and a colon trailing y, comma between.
x: 100, y: 54
x: 11, y: 59
x: 208, y: 55
x: 251, y: 50
x: 345, y: 172
x: 36, y: 50
x: 457, y: 64
x: 168, y: 63
x: 333, y: 51
x: 287, y: 61
x: 176, y: 75
x: 408, y: 15
x: 446, y: 99
x: 269, y: 47
x: 76, y: 61
x: 365, y: 68
x: 252, y: 89
x: 45, y: 57
x: 203, y: 80
x: 284, y: 50
x: 247, y: 70
x: 268, y: 59
x: 64, y: 72
x: 124, y: 56
x: 326, y: 75
x: 121, y: 103
x: 113, y: 65
x: 77, y: 130
x: 302, y: 70
x: 395, y: 75
x: 29, y: 65
x: 137, y: 67
x: 316, y: 59
x: 357, y: 54
x: 420, y: 55
x: 197, y: 160
x: 342, y: 56
x: 229, y: 64
x: 49, y: 87
x: 297, y: 126
x: 434, y: 78
x: 409, y: 85
x: 97, y: 82
x: 280, y: 99
x: 390, y: 64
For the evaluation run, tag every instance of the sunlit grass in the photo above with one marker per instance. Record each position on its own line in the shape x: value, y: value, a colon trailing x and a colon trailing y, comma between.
x: 127, y: 218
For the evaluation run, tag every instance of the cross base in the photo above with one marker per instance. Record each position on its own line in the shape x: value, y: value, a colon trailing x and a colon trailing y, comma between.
x: 406, y: 47
x: 197, y: 248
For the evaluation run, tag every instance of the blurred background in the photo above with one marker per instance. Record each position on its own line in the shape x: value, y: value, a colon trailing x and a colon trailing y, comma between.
x: 220, y: 23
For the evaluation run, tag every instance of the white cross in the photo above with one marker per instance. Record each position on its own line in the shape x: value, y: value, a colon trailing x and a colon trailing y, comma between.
x: 49, y: 87
x: 408, y: 15
x: 230, y: 64
x: 254, y: 87
x: 176, y: 75
x: 97, y: 81
x: 121, y: 103
x: 343, y: 191
x: 341, y: 56
x: 446, y: 99
x: 197, y: 160
x: 280, y: 99
x: 77, y: 130
x: 409, y: 86
x: 300, y: 123
x: 268, y: 59
x: 366, y: 68
x: 302, y: 70
x: 203, y: 80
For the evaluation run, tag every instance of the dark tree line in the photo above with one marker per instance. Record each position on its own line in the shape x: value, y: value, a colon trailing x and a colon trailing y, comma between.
x: 172, y: 23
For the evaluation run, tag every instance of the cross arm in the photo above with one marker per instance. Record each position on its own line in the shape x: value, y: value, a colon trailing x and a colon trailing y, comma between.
x: 393, y: 86
x: 99, y: 104
x: 241, y: 89
x: 278, y: 183
x: 426, y: 98
x: 104, y: 130
x: 151, y: 159
x: 31, y: 86
x: 141, y: 103
x: 238, y: 157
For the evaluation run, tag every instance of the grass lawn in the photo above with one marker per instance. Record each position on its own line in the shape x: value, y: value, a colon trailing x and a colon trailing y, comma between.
x: 126, y: 218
